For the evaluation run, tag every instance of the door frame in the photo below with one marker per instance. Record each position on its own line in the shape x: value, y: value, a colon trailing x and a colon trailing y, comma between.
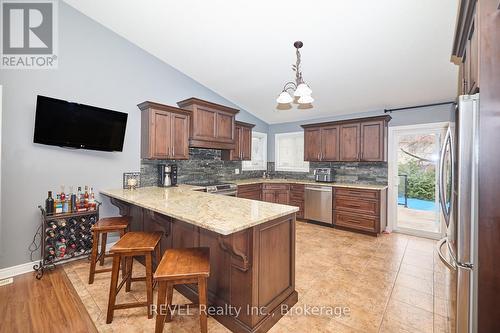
x: 393, y: 181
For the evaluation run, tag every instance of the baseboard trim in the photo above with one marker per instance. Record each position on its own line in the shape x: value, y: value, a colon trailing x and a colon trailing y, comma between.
x: 28, y: 267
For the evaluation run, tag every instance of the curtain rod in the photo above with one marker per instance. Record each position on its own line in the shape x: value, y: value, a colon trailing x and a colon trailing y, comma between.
x: 417, y: 106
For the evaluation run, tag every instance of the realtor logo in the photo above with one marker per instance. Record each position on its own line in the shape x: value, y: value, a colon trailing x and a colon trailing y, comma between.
x: 29, y: 34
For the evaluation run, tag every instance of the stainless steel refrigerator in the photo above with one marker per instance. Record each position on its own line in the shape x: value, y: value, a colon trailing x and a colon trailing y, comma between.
x: 458, y: 181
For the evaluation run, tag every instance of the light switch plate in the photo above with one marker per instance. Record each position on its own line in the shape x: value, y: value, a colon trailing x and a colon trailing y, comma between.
x: 237, y: 171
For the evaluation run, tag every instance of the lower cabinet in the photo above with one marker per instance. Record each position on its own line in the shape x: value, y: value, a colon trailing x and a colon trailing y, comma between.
x: 276, y: 193
x: 251, y: 191
x: 360, y: 209
x: 297, y: 198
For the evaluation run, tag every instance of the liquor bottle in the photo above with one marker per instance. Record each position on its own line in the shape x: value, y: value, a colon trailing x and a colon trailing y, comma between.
x: 74, y: 204
x: 78, y: 199
x: 52, y: 224
x: 64, y: 201
x: 86, y: 198
x: 50, y: 232
x: 49, y: 204
x: 58, y: 204
x: 92, y: 204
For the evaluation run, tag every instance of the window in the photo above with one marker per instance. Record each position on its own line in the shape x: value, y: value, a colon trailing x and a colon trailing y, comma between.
x: 289, y: 152
x: 259, y: 153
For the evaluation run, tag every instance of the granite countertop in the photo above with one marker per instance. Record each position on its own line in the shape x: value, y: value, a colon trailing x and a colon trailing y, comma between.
x: 222, y: 214
x: 307, y: 182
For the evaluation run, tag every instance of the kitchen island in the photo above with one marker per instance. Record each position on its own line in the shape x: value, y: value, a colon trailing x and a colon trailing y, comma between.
x: 252, y: 248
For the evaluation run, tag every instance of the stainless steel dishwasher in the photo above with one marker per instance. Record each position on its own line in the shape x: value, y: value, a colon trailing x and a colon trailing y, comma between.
x: 318, y: 203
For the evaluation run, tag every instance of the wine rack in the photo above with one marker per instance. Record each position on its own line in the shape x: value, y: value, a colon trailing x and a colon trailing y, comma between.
x: 64, y: 236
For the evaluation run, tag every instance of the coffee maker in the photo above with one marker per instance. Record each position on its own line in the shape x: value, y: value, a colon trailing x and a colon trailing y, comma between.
x: 167, y: 175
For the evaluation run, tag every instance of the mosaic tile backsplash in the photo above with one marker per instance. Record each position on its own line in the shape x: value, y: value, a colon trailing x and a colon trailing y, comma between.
x: 206, y: 166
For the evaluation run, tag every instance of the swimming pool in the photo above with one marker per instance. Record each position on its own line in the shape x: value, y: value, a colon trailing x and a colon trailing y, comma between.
x: 418, y: 204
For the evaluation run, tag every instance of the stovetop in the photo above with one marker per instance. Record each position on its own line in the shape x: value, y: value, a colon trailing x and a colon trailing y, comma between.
x: 216, y: 186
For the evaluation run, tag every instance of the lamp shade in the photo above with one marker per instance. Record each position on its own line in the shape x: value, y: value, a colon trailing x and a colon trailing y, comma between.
x: 284, y: 98
x: 302, y: 90
x: 306, y: 99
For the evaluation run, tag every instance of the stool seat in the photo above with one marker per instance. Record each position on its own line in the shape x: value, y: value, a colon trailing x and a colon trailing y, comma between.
x: 183, y: 263
x: 137, y: 241
x: 111, y: 223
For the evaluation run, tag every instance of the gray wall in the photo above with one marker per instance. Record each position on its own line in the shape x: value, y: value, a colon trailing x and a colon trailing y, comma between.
x: 399, y: 118
x: 96, y: 67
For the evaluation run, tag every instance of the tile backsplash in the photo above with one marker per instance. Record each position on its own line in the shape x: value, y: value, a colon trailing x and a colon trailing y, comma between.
x: 205, y: 166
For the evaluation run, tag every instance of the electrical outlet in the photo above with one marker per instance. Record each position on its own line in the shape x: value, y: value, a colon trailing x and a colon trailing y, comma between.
x: 236, y: 171
x: 6, y: 281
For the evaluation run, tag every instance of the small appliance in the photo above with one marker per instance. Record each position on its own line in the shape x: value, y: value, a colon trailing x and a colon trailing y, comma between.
x: 323, y: 175
x: 167, y: 175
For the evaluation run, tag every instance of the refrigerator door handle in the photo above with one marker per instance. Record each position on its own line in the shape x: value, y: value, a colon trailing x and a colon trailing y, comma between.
x: 439, y: 245
x: 442, y: 184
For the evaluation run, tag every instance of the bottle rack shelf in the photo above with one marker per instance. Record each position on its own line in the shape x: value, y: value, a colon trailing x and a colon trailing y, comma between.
x: 64, y: 236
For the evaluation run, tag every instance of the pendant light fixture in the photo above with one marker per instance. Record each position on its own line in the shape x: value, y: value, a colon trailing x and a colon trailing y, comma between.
x: 299, y: 88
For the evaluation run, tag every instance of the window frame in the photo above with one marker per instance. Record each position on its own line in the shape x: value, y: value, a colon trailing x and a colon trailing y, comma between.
x: 306, y: 167
x: 263, y: 167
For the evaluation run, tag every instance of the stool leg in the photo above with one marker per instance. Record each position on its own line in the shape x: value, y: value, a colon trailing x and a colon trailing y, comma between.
x: 160, y: 306
x: 93, y: 257
x: 122, y: 232
x: 104, y: 239
x: 128, y: 269
x: 158, y: 255
x: 149, y: 283
x: 170, y: 294
x: 202, y: 293
x: 112, y: 288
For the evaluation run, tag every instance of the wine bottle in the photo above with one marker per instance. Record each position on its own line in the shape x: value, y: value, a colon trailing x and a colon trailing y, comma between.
x: 52, y: 224
x: 71, y: 244
x: 61, y: 223
x: 50, y: 232
x: 50, y: 250
x: 49, y: 204
x: 61, y: 239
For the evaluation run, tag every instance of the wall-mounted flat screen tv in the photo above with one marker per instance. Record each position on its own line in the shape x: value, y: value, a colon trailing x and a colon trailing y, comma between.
x: 67, y: 124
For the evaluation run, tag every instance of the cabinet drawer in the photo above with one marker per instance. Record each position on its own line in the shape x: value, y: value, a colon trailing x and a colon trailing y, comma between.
x: 297, y: 188
x: 357, y: 205
x: 359, y: 193
x: 254, y: 195
x: 281, y: 187
x: 249, y: 188
x: 360, y: 222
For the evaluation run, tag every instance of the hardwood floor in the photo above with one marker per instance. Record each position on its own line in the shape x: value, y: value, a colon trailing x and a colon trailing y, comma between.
x: 391, y: 283
x: 47, y: 305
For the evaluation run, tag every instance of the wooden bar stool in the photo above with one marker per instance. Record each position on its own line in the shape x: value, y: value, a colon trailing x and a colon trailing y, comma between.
x: 130, y: 245
x: 182, y: 266
x: 100, y: 230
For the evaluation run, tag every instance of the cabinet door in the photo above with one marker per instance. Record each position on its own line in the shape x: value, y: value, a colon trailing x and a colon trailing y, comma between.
x: 204, y: 124
x: 236, y: 153
x: 268, y: 195
x: 330, y: 143
x: 246, y: 143
x: 312, y: 144
x: 225, y: 126
x: 349, y: 142
x: 281, y: 197
x: 161, y: 124
x: 372, y: 141
x: 180, y: 137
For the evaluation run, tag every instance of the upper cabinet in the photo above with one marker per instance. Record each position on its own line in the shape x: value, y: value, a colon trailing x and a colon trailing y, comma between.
x: 212, y: 125
x: 243, y: 143
x: 362, y: 139
x: 164, y: 131
x: 465, y: 51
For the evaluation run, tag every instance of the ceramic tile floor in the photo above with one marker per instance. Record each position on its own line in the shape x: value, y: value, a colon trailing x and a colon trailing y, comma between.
x: 391, y: 283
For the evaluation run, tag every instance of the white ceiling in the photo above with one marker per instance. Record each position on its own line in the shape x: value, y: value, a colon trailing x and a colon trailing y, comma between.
x: 358, y: 55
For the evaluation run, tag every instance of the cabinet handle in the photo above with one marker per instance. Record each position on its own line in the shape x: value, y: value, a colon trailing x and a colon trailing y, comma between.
x: 173, y: 151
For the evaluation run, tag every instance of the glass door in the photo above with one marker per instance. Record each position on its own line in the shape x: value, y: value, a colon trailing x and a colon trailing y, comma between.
x: 416, y: 160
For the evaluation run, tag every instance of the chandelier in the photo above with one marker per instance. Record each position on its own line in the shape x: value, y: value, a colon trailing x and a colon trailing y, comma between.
x: 299, y: 88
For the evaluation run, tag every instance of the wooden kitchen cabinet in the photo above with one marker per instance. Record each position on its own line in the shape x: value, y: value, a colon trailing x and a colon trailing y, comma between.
x: 276, y: 193
x: 212, y: 125
x: 372, y: 141
x: 321, y: 144
x: 164, y: 131
x: 350, y: 138
x: 360, y: 209
x: 250, y: 191
x: 297, y: 198
x: 363, y: 139
x: 243, y: 143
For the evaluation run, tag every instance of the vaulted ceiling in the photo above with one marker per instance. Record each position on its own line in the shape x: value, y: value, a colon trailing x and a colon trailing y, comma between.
x: 357, y: 56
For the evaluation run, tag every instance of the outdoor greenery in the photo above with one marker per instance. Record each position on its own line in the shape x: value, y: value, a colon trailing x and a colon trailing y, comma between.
x: 421, y: 179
